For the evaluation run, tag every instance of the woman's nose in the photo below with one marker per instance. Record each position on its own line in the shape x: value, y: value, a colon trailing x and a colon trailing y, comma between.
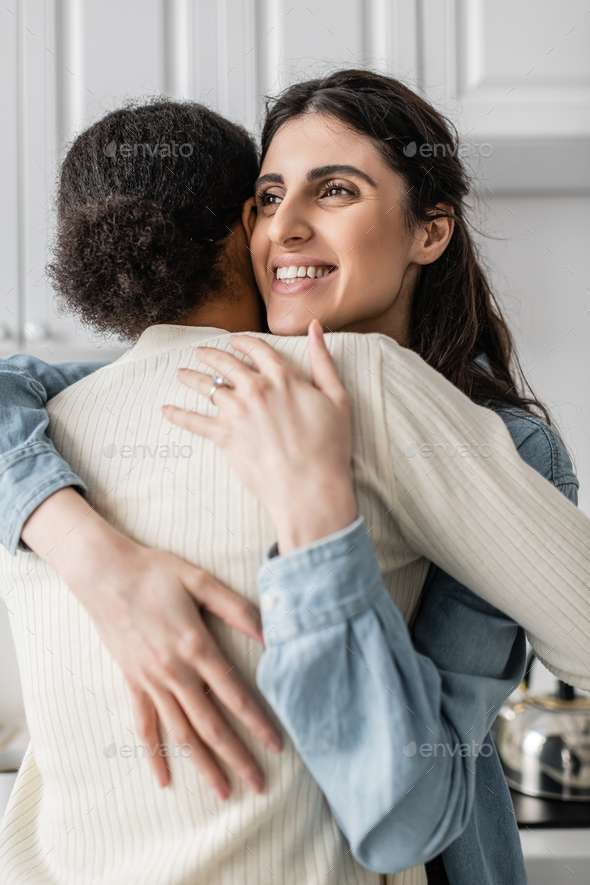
x: 289, y: 224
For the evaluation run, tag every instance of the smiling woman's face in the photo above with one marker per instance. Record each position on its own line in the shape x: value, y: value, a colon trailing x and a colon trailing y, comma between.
x: 330, y: 238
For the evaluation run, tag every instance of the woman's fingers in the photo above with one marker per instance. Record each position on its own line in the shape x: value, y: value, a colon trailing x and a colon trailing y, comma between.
x: 265, y: 358
x: 234, y: 695
x: 146, y: 724
x: 232, y: 608
x: 323, y: 369
x: 195, y: 423
x: 178, y: 729
x: 203, y: 384
x: 230, y: 366
x: 216, y: 733
x: 201, y: 655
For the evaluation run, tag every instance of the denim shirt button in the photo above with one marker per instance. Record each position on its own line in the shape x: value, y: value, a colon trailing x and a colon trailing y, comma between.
x: 268, y: 602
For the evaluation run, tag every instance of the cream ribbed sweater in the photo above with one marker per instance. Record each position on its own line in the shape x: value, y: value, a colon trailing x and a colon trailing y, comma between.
x: 80, y: 817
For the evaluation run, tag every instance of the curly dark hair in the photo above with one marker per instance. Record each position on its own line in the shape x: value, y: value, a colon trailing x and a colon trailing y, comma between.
x: 457, y: 326
x: 147, y: 197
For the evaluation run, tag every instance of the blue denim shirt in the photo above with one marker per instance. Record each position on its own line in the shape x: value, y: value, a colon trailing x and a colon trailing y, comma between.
x: 393, y: 726
x: 30, y: 467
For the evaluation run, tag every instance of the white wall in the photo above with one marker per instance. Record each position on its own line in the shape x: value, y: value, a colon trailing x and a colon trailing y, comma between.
x: 514, y: 74
x: 540, y: 268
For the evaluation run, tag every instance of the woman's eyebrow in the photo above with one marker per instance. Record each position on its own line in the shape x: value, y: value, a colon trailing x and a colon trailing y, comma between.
x: 326, y: 171
x: 269, y: 178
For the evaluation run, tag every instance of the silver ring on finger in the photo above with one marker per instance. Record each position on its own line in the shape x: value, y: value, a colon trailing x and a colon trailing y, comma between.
x: 218, y: 380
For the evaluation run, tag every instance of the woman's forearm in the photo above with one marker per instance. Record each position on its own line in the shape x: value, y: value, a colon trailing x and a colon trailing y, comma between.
x: 365, y: 709
x: 485, y: 516
x: 145, y: 606
x: 67, y: 533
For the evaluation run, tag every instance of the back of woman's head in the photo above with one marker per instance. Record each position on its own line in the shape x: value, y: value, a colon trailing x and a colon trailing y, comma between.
x: 147, y: 198
x: 456, y: 324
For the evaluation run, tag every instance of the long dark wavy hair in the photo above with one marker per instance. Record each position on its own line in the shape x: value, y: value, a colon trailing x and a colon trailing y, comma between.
x: 457, y: 326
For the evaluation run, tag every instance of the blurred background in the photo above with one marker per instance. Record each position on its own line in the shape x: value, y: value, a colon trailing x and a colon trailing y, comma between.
x: 512, y: 75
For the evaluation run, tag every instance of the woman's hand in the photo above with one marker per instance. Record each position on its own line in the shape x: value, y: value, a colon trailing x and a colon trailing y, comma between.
x: 289, y: 441
x: 145, y: 605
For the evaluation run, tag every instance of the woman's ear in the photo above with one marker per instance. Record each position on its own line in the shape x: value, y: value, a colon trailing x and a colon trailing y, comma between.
x: 433, y: 235
x: 249, y: 217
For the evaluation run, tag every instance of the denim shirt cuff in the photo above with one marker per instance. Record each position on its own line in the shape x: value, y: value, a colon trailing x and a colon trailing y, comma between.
x: 20, y: 472
x: 323, y: 583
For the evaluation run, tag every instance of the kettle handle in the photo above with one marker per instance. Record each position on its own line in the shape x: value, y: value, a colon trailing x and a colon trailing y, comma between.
x: 565, y: 692
x: 526, y: 679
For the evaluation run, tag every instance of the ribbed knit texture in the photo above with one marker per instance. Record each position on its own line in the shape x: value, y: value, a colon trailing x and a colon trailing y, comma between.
x: 78, y: 817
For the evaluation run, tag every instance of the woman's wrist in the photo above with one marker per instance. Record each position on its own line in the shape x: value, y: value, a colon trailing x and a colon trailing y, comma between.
x: 314, y: 513
x: 69, y: 535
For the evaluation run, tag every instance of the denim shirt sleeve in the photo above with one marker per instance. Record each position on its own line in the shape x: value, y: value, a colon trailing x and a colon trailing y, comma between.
x: 30, y: 467
x: 368, y: 707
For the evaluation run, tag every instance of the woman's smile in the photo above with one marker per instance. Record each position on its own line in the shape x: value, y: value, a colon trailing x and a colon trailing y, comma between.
x: 297, y: 274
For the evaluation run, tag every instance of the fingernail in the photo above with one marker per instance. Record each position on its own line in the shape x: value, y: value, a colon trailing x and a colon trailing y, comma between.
x: 222, y: 793
x: 180, y: 371
x: 276, y: 745
x: 165, y: 408
x: 255, y: 784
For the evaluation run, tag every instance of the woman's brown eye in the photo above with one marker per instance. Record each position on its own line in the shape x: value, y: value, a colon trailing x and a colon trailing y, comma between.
x: 335, y: 191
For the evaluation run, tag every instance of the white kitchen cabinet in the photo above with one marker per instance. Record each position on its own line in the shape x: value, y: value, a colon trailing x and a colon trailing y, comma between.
x: 9, y: 189
x: 513, y: 75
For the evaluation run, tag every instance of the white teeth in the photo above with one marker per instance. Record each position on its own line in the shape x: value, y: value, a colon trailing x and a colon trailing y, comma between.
x: 292, y: 273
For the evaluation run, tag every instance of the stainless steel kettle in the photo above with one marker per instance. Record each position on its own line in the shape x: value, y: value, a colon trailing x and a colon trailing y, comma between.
x: 544, y: 742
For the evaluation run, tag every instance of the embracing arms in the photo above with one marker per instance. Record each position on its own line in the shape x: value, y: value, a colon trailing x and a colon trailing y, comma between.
x: 144, y: 603
x: 491, y: 522
x: 340, y: 669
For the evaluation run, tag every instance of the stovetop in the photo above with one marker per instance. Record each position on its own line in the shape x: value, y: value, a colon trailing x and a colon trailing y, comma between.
x: 550, y: 813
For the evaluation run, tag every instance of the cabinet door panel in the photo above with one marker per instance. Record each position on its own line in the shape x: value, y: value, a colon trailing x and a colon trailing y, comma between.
x: 523, y: 69
x: 9, y: 186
